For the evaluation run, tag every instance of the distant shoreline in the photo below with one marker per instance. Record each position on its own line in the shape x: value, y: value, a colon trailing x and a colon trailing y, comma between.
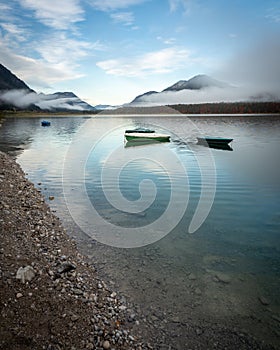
x: 204, y: 109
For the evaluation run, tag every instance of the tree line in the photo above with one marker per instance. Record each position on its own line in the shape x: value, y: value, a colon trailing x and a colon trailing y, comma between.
x: 229, y: 108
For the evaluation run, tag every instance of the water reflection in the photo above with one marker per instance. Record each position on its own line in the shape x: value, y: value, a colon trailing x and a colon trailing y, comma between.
x: 140, y: 143
x: 221, y: 146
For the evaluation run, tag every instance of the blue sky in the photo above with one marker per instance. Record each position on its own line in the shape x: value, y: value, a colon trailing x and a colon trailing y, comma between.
x: 109, y: 51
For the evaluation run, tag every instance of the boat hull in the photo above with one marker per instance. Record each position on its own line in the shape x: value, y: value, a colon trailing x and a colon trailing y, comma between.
x: 147, y: 137
x: 45, y: 123
x: 214, y: 141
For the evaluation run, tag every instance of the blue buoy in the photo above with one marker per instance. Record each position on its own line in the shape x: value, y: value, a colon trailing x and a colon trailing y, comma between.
x: 45, y: 123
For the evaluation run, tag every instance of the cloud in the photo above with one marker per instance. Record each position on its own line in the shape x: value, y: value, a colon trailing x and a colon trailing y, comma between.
x: 58, y: 55
x: 5, y: 7
x: 61, y: 50
x: 273, y: 14
x: 157, y: 62
x: 255, y: 66
x: 167, y: 41
x: 15, y: 31
x: 176, y: 4
x: 111, y: 5
x: 6, y: 13
x: 36, y: 72
x: 55, y: 14
x: 125, y: 18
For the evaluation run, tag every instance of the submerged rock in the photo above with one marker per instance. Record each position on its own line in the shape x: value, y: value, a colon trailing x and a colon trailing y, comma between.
x: 192, y: 277
x: 222, y: 277
x: 263, y: 300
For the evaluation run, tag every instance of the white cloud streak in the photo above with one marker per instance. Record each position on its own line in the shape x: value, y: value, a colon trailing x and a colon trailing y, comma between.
x: 6, y: 13
x: 112, y: 5
x: 176, y: 4
x: 125, y: 18
x: 56, y: 14
x: 273, y: 14
x: 58, y: 48
x: 4, y: 7
x: 14, y: 31
x: 157, y: 62
x: 168, y: 41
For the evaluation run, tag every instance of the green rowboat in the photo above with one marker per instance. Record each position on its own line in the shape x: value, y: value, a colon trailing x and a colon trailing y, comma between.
x: 147, y: 137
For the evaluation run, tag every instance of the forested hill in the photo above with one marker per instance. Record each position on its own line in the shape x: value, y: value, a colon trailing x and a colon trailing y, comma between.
x: 229, y: 108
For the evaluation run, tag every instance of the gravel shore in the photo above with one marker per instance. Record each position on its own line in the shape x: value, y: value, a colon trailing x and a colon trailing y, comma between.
x: 52, y: 298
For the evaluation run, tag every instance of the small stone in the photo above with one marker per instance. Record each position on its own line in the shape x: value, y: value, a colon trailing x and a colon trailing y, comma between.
x: 74, y: 318
x: 106, y: 344
x: 77, y: 291
x: 192, y: 277
x: 66, y: 267
x: 175, y: 319
x: 51, y: 198
x: 131, y: 317
x: 264, y: 301
x: 19, y: 295
x: 26, y: 273
x: 197, y: 291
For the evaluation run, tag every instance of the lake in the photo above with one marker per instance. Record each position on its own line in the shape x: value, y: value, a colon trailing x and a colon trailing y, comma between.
x: 185, y: 231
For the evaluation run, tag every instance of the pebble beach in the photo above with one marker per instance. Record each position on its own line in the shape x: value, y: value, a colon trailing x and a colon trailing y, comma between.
x: 51, y: 298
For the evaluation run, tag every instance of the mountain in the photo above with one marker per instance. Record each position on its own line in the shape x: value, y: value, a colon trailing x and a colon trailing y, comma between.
x: 139, y: 98
x: 16, y: 95
x: 202, y: 89
x: 198, y: 82
x: 9, y: 81
x: 66, y: 100
x: 105, y: 107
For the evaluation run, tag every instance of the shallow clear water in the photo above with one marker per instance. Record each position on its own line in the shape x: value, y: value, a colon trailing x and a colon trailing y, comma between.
x: 210, y: 259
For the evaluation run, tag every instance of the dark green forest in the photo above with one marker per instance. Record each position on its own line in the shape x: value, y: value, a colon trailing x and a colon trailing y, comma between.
x: 229, y: 108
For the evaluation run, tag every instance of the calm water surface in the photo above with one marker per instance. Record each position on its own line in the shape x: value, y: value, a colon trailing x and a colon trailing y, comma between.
x: 217, y: 273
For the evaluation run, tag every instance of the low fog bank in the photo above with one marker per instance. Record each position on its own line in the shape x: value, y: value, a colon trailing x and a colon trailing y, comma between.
x: 210, y: 95
x: 255, y: 66
x: 23, y: 99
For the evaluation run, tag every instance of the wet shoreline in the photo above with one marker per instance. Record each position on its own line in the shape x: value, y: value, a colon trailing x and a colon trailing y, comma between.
x: 61, y: 303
